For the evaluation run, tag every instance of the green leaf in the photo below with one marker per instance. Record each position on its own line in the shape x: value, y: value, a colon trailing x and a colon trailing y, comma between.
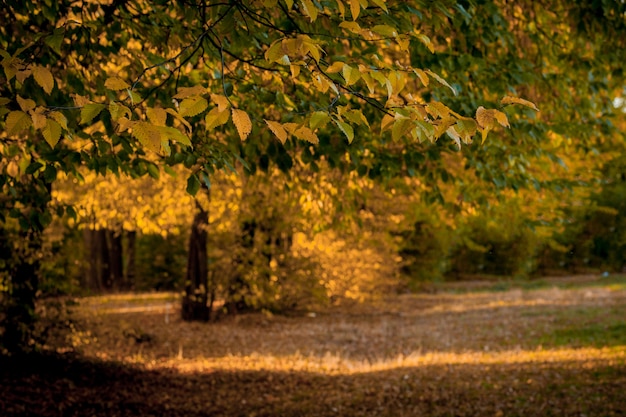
x: 17, y: 121
x: 193, y: 185
x: 319, y: 119
x: 153, y: 171
x: 52, y: 132
x: 174, y: 134
x: 90, y: 111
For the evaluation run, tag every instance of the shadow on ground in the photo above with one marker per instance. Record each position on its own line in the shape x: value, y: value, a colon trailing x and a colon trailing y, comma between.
x: 70, y: 386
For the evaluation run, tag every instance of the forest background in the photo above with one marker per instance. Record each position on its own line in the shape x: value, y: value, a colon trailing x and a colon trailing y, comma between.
x: 321, y: 152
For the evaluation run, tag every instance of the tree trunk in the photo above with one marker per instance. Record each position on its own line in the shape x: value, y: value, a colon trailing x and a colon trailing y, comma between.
x: 129, y: 278
x: 115, y: 259
x: 194, y: 305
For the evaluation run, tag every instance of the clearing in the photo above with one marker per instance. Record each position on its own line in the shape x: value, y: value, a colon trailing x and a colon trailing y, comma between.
x: 553, y: 347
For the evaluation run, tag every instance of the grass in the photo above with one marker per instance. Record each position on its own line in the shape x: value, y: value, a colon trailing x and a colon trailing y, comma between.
x: 558, y: 349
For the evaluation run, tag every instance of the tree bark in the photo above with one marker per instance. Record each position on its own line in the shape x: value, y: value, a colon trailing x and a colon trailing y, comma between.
x: 115, y: 259
x: 194, y: 306
x: 130, y: 270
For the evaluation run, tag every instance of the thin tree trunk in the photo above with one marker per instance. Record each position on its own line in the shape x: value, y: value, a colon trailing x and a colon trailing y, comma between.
x: 131, y: 238
x: 115, y: 259
x: 103, y: 258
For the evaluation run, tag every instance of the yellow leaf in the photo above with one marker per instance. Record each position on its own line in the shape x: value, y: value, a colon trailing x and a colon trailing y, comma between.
x: 179, y: 118
x: 426, y: 41
x: 422, y: 76
x: 351, y: 75
x: 516, y: 100
x: 216, y: 118
x: 26, y: 104
x: 501, y: 118
x: 381, y: 4
x: 309, y: 9
x: 59, y: 118
x: 275, y: 52
x: 221, y: 101
x: 278, y: 130
x: 184, y: 92
x: 437, y: 109
x: 485, y: 118
x: 351, y: 26
x: 118, y: 110
x: 44, y: 78
x: 295, y: 70
x: 190, y: 107
x: 355, y: 8
x: 51, y: 132
x: 335, y: 67
x: 39, y: 120
x: 342, y: 9
x: 400, y: 128
x: 356, y: 117
x: 148, y: 135
x: 386, y: 122
x: 291, y: 127
x: 441, y: 80
x: 454, y: 135
x: 307, y: 134
x: 156, y: 115
x: 116, y: 84
x: 289, y: 4
x: 79, y: 100
x: 17, y: 121
x: 242, y: 123
x: 346, y: 129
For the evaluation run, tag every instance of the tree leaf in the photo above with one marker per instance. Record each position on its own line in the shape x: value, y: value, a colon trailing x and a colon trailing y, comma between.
x: 441, y: 81
x: 516, y: 100
x: 90, y: 111
x: 242, y: 123
x: 278, y: 130
x: 385, y: 30
x: 355, y: 8
x: 400, y: 128
x: 216, y: 118
x: 59, y: 118
x: 116, y: 84
x: 351, y: 75
x: 39, y: 119
x: 184, y: 92
x: 346, y: 129
x: 52, y: 132
x: 26, y: 104
x: 174, y: 134
x: 454, y: 135
x: 221, y: 101
x: 309, y: 9
x: 44, y: 78
x: 190, y: 107
x: 148, y: 135
x: 117, y: 111
x: 193, y: 184
x: 156, y: 115
x: 318, y: 119
x: 17, y: 121
x: 307, y: 134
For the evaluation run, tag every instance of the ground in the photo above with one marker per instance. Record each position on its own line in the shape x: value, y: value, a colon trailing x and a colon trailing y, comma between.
x: 550, y: 347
